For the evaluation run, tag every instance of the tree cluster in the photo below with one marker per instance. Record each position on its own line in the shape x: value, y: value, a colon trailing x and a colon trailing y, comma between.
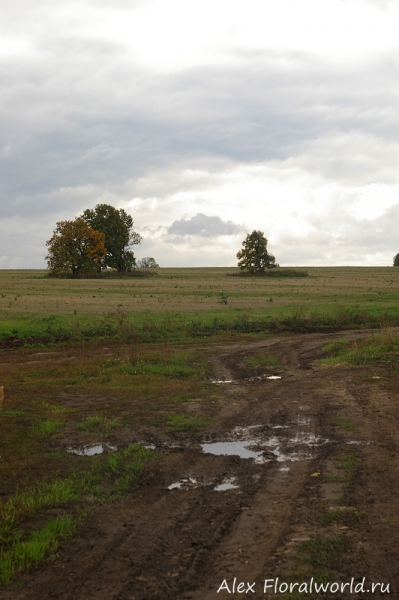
x: 100, y: 238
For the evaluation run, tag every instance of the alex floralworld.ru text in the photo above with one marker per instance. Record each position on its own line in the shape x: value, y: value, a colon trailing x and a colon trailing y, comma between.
x: 275, y: 586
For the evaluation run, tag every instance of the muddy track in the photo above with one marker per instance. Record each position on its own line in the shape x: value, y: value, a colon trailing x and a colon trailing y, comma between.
x: 176, y: 536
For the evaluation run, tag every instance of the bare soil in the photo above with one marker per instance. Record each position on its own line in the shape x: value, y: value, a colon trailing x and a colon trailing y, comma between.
x: 327, y: 469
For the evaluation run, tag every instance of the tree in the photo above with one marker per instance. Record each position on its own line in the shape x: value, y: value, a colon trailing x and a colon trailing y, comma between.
x: 254, y: 256
x: 396, y: 260
x: 117, y: 226
x: 148, y: 263
x: 75, y: 247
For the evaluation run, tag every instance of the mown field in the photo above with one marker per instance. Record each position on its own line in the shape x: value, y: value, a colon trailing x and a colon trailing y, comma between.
x: 182, y: 302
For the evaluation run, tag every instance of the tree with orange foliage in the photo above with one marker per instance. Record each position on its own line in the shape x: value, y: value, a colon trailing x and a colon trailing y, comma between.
x: 75, y: 247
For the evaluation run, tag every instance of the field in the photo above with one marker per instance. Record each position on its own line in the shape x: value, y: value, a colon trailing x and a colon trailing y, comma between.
x: 32, y: 304
x: 162, y: 436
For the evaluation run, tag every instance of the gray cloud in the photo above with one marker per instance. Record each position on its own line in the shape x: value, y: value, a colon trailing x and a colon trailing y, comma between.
x: 204, y: 226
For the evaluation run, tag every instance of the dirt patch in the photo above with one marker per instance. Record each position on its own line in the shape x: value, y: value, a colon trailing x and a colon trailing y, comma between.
x: 303, y: 483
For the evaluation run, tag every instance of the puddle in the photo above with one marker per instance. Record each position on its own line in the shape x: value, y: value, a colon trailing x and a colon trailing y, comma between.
x: 273, y: 377
x: 186, y: 482
x: 228, y: 484
x: 87, y: 450
x: 282, y: 449
x: 303, y: 421
x: 304, y: 407
x: 224, y: 381
x: 234, y: 449
x: 360, y: 443
x: 284, y: 469
x: 280, y: 426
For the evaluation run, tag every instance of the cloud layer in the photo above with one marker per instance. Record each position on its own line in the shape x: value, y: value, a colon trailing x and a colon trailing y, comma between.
x: 203, y: 128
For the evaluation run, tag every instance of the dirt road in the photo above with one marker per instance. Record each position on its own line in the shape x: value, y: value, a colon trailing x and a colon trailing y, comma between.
x: 314, y: 493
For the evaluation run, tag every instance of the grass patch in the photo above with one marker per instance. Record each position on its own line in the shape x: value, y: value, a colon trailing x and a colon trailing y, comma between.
x: 348, y: 461
x: 347, y: 425
x: 46, y: 495
x: 41, y: 544
x: 380, y: 349
x: 180, y: 422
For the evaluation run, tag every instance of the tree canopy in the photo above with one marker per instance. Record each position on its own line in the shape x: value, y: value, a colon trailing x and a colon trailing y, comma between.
x: 148, y: 262
x: 75, y: 247
x: 254, y: 256
x: 117, y: 227
x: 396, y: 260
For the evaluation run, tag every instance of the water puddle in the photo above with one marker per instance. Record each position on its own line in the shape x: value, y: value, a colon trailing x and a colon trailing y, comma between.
x: 284, y: 469
x: 228, y: 484
x: 186, y: 482
x: 304, y: 407
x: 234, y: 449
x: 87, y: 450
x: 273, y: 377
x: 359, y: 443
x: 224, y: 381
x: 252, y: 443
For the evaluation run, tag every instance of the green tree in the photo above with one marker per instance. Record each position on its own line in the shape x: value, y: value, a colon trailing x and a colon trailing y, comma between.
x: 254, y: 256
x: 396, y: 260
x: 117, y: 226
x: 75, y: 247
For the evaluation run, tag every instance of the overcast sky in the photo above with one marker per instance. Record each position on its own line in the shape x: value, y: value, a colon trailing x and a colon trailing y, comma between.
x: 204, y: 119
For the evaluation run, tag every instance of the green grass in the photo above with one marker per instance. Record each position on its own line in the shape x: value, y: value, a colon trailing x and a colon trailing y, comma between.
x: 58, y: 492
x: 348, y: 461
x: 22, y: 554
x: 180, y: 422
x: 347, y: 425
x: 108, y: 478
x: 382, y: 348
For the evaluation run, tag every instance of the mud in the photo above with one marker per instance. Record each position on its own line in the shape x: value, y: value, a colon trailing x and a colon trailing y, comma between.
x: 200, y: 517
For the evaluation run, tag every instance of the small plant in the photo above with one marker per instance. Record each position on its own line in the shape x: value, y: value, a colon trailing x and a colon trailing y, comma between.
x: 223, y: 298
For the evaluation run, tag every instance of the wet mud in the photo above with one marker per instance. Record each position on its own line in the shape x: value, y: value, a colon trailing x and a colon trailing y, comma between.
x: 241, y: 500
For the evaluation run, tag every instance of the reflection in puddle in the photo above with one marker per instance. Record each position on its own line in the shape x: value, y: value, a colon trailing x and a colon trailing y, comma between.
x: 186, y: 482
x: 87, y: 450
x: 228, y: 484
x: 233, y: 449
x: 252, y: 443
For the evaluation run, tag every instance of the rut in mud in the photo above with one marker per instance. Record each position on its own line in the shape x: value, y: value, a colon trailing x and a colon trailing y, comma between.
x: 298, y: 463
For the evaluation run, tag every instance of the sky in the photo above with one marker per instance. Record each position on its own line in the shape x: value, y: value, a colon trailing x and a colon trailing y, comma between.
x: 204, y: 120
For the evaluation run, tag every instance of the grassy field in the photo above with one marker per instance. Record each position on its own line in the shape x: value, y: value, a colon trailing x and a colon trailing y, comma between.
x: 31, y: 304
